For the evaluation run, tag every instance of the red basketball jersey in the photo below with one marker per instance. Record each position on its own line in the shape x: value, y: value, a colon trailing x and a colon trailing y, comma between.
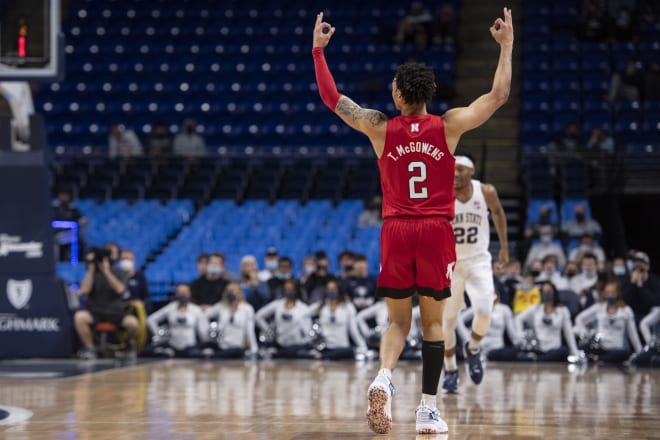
x: 416, y: 168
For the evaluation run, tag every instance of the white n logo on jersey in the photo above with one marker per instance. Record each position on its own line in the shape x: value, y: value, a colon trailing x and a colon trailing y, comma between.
x: 414, y: 127
x: 450, y: 270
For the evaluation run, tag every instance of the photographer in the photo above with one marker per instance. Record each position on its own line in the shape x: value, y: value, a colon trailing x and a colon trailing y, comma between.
x: 105, y: 288
x: 256, y: 292
x: 314, y: 287
x: 641, y: 291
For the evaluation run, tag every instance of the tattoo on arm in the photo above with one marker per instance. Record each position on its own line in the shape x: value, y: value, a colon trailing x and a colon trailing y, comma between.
x: 349, y: 108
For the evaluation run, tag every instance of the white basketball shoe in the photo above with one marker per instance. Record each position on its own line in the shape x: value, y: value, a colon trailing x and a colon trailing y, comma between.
x: 428, y: 421
x: 379, y: 411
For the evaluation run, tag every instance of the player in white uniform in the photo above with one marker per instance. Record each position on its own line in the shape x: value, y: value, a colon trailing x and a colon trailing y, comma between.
x: 473, y: 271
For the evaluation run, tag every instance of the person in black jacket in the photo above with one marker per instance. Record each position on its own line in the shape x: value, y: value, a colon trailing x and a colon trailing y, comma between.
x: 641, y: 291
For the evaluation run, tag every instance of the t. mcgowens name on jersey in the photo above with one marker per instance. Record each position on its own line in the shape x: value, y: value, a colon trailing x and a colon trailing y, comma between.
x: 417, y: 147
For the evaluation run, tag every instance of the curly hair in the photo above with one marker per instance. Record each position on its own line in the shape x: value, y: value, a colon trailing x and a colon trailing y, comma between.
x: 416, y: 82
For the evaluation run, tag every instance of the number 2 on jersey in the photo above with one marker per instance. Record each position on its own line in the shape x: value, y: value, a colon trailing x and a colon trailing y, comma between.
x: 419, y: 177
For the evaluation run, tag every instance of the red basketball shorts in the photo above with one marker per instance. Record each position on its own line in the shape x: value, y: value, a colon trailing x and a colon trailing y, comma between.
x: 416, y: 255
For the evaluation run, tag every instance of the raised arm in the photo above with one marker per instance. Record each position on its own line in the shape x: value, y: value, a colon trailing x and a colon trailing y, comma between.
x: 499, y: 220
x: 461, y: 119
x: 370, y: 122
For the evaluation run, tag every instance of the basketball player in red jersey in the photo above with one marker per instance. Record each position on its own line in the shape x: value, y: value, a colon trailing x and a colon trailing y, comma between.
x: 415, y: 157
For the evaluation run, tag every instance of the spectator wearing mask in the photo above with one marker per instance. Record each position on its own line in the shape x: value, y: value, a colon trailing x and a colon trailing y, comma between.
x: 619, y: 270
x: 551, y: 273
x: 587, y: 246
x: 255, y: 292
x: 188, y: 143
x: 186, y: 323
x: 160, y: 141
x: 282, y: 273
x: 493, y: 343
x: 136, y: 282
x: 584, y: 283
x: 207, y: 289
x: 288, y: 321
x: 360, y: 286
x: 546, y: 246
x: 308, y: 267
x: 570, y: 270
x: 270, y: 262
x: 641, y: 291
x: 581, y: 225
x: 549, y: 321
x: 527, y: 294
x: 104, y: 287
x: 613, y: 324
x: 236, y: 326
x: 123, y: 142
x: 346, y: 261
x: 315, y: 286
x: 338, y: 326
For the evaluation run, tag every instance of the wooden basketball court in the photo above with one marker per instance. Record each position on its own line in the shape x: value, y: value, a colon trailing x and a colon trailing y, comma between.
x: 189, y: 399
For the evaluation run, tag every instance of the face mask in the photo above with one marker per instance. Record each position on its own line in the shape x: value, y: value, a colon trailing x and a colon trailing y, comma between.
x: 630, y: 265
x: 546, y: 239
x: 525, y: 286
x: 549, y: 272
x: 332, y: 294
x: 283, y: 275
x: 126, y: 265
x: 585, y: 248
x: 309, y: 268
x: 579, y: 217
x: 547, y: 297
x: 619, y: 270
x: 213, y: 269
x: 290, y: 295
x: 534, y: 273
x: 271, y: 264
x: 348, y: 268
x: 590, y: 273
x: 570, y: 274
x: 611, y: 300
x: 183, y: 299
x: 231, y: 297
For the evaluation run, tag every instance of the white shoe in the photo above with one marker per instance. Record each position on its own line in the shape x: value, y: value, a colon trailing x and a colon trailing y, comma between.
x: 428, y: 421
x: 379, y: 411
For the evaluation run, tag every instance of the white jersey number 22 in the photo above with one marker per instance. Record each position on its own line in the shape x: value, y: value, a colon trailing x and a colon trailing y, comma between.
x: 419, y: 177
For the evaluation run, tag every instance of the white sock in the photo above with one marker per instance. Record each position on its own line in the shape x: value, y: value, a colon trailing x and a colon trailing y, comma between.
x: 473, y: 345
x: 450, y: 363
x: 429, y: 400
x: 385, y: 372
